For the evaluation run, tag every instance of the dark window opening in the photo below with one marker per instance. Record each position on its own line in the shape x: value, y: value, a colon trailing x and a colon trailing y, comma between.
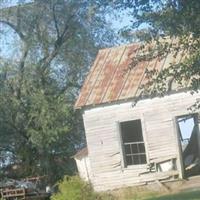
x: 133, y: 143
x: 188, y: 130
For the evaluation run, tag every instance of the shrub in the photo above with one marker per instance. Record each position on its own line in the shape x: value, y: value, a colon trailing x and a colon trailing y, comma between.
x: 73, y: 188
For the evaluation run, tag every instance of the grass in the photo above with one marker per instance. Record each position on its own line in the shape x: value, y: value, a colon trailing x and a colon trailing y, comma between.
x: 130, y: 194
x: 192, y: 195
x: 73, y: 188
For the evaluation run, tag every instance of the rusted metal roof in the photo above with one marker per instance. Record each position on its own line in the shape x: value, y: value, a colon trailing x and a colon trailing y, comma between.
x: 111, y: 80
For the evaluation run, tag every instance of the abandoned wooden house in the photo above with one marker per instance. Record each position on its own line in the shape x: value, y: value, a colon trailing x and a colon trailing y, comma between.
x: 155, y: 140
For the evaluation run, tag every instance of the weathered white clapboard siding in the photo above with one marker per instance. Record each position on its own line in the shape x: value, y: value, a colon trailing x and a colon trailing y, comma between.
x: 84, y: 169
x: 158, y: 124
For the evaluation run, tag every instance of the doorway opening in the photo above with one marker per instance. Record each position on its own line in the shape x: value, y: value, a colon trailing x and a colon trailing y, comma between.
x: 188, y: 132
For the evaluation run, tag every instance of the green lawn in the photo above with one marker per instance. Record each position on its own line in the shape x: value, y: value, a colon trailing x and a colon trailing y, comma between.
x: 133, y: 194
x: 192, y: 195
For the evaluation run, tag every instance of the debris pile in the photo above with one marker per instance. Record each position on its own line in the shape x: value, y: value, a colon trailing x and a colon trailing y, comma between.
x: 30, y: 188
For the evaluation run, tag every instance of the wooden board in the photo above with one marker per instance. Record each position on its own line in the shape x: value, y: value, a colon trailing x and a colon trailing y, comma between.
x: 13, y: 193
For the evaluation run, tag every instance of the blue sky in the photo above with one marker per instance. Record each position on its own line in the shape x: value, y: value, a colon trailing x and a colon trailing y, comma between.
x: 186, y: 127
x: 123, y: 16
x: 123, y: 20
x: 9, y: 40
x: 9, y: 44
x: 8, y: 3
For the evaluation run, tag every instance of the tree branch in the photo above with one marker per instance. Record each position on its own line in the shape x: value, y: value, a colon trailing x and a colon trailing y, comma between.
x: 69, y: 85
x: 55, y: 21
x: 21, y: 67
x: 57, y: 45
x: 15, y: 28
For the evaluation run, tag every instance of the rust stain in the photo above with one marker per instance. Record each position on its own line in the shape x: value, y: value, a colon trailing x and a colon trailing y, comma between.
x: 110, y: 80
x: 105, y: 96
x: 133, y: 80
x: 121, y: 74
x: 90, y: 80
x: 111, y: 65
x: 98, y: 79
x: 153, y: 64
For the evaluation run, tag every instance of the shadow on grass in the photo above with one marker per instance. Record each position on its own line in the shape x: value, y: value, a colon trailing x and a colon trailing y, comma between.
x: 194, y: 195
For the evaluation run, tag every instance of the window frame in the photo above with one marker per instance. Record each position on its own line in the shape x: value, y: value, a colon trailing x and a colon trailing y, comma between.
x: 122, y: 147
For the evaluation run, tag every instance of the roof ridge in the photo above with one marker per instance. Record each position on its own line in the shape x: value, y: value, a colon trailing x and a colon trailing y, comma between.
x: 120, y: 46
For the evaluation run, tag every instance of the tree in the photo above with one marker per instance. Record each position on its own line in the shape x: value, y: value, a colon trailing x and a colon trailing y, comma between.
x: 56, y: 40
x: 173, y: 26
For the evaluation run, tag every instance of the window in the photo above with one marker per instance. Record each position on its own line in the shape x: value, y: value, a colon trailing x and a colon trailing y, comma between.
x: 133, y: 143
x: 188, y: 132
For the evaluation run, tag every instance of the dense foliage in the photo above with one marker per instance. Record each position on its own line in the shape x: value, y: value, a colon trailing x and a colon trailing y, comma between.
x: 172, y: 26
x: 73, y: 188
x: 55, y: 40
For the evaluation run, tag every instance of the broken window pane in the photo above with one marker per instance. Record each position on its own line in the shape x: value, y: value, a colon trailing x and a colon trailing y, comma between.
x: 189, y: 137
x: 186, y: 126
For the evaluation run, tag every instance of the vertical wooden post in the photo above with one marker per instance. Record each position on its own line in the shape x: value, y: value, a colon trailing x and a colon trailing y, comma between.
x: 122, y: 151
x: 196, y: 124
x: 180, y: 164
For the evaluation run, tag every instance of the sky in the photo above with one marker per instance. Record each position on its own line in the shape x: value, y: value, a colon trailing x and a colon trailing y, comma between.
x: 9, y: 3
x: 123, y: 20
x: 8, y: 38
x: 186, y: 128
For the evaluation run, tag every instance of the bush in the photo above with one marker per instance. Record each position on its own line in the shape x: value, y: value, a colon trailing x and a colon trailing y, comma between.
x: 73, y: 188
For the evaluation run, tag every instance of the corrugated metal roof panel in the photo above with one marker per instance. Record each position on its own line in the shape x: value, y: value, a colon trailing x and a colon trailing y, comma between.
x: 106, y: 75
x: 155, y: 64
x: 91, y: 79
x: 121, y: 75
x: 110, y: 78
